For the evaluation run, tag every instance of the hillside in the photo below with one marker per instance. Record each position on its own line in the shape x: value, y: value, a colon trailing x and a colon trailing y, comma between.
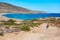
x: 9, y: 8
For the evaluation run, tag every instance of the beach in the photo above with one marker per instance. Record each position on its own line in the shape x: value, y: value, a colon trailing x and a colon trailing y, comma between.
x: 3, y: 17
x: 37, y: 33
x: 29, y: 20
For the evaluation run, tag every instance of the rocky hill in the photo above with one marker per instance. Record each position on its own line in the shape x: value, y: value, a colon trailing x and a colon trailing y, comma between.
x: 9, y: 8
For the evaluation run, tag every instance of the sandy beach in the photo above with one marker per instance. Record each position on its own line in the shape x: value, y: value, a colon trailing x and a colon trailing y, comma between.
x: 2, y: 17
x: 37, y: 33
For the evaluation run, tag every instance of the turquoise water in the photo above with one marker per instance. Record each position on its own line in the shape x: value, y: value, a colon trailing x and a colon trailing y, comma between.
x: 31, y: 16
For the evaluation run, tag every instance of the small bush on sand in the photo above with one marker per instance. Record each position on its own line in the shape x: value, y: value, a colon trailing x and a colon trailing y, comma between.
x: 10, y: 22
x: 25, y: 28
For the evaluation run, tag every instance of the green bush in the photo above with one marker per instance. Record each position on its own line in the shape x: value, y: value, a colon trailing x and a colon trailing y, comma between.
x: 25, y: 28
x: 3, y: 21
x: 10, y: 22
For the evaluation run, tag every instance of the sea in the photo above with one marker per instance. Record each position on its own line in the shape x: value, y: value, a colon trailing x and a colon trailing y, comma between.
x: 31, y: 16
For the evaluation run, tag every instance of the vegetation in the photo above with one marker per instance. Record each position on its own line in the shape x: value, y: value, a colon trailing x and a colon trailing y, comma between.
x: 25, y: 25
x: 25, y: 28
x: 2, y: 21
x: 54, y: 22
x: 10, y: 22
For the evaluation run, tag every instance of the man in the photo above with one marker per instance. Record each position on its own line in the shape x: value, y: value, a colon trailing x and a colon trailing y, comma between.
x: 47, y: 26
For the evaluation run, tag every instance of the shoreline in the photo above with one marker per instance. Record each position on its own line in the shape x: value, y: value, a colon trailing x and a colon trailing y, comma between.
x: 3, y: 17
x: 6, y: 18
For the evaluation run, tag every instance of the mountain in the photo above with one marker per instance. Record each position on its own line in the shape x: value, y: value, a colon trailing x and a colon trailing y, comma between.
x: 8, y: 8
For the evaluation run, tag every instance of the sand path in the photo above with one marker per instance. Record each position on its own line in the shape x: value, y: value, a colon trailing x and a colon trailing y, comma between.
x: 38, y: 33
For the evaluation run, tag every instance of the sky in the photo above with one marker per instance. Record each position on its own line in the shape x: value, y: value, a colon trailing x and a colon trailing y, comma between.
x: 50, y: 6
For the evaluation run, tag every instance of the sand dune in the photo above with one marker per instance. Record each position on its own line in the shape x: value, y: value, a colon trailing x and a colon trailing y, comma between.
x: 38, y: 33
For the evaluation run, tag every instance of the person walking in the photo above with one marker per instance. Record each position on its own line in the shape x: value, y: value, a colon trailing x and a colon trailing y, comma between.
x: 47, y: 26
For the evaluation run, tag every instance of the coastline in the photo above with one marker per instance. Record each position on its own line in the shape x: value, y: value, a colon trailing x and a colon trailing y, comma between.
x: 36, y: 33
x: 6, y: 18
x: 3, y: 17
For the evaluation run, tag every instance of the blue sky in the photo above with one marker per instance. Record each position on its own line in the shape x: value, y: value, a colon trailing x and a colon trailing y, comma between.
x: 51, y: 6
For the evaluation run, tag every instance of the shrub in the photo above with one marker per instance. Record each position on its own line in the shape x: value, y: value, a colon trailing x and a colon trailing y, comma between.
x: 10, y: 22
x: 25, y: 28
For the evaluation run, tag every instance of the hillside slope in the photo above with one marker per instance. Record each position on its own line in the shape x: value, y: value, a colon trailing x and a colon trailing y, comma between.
x: 8, y: 8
